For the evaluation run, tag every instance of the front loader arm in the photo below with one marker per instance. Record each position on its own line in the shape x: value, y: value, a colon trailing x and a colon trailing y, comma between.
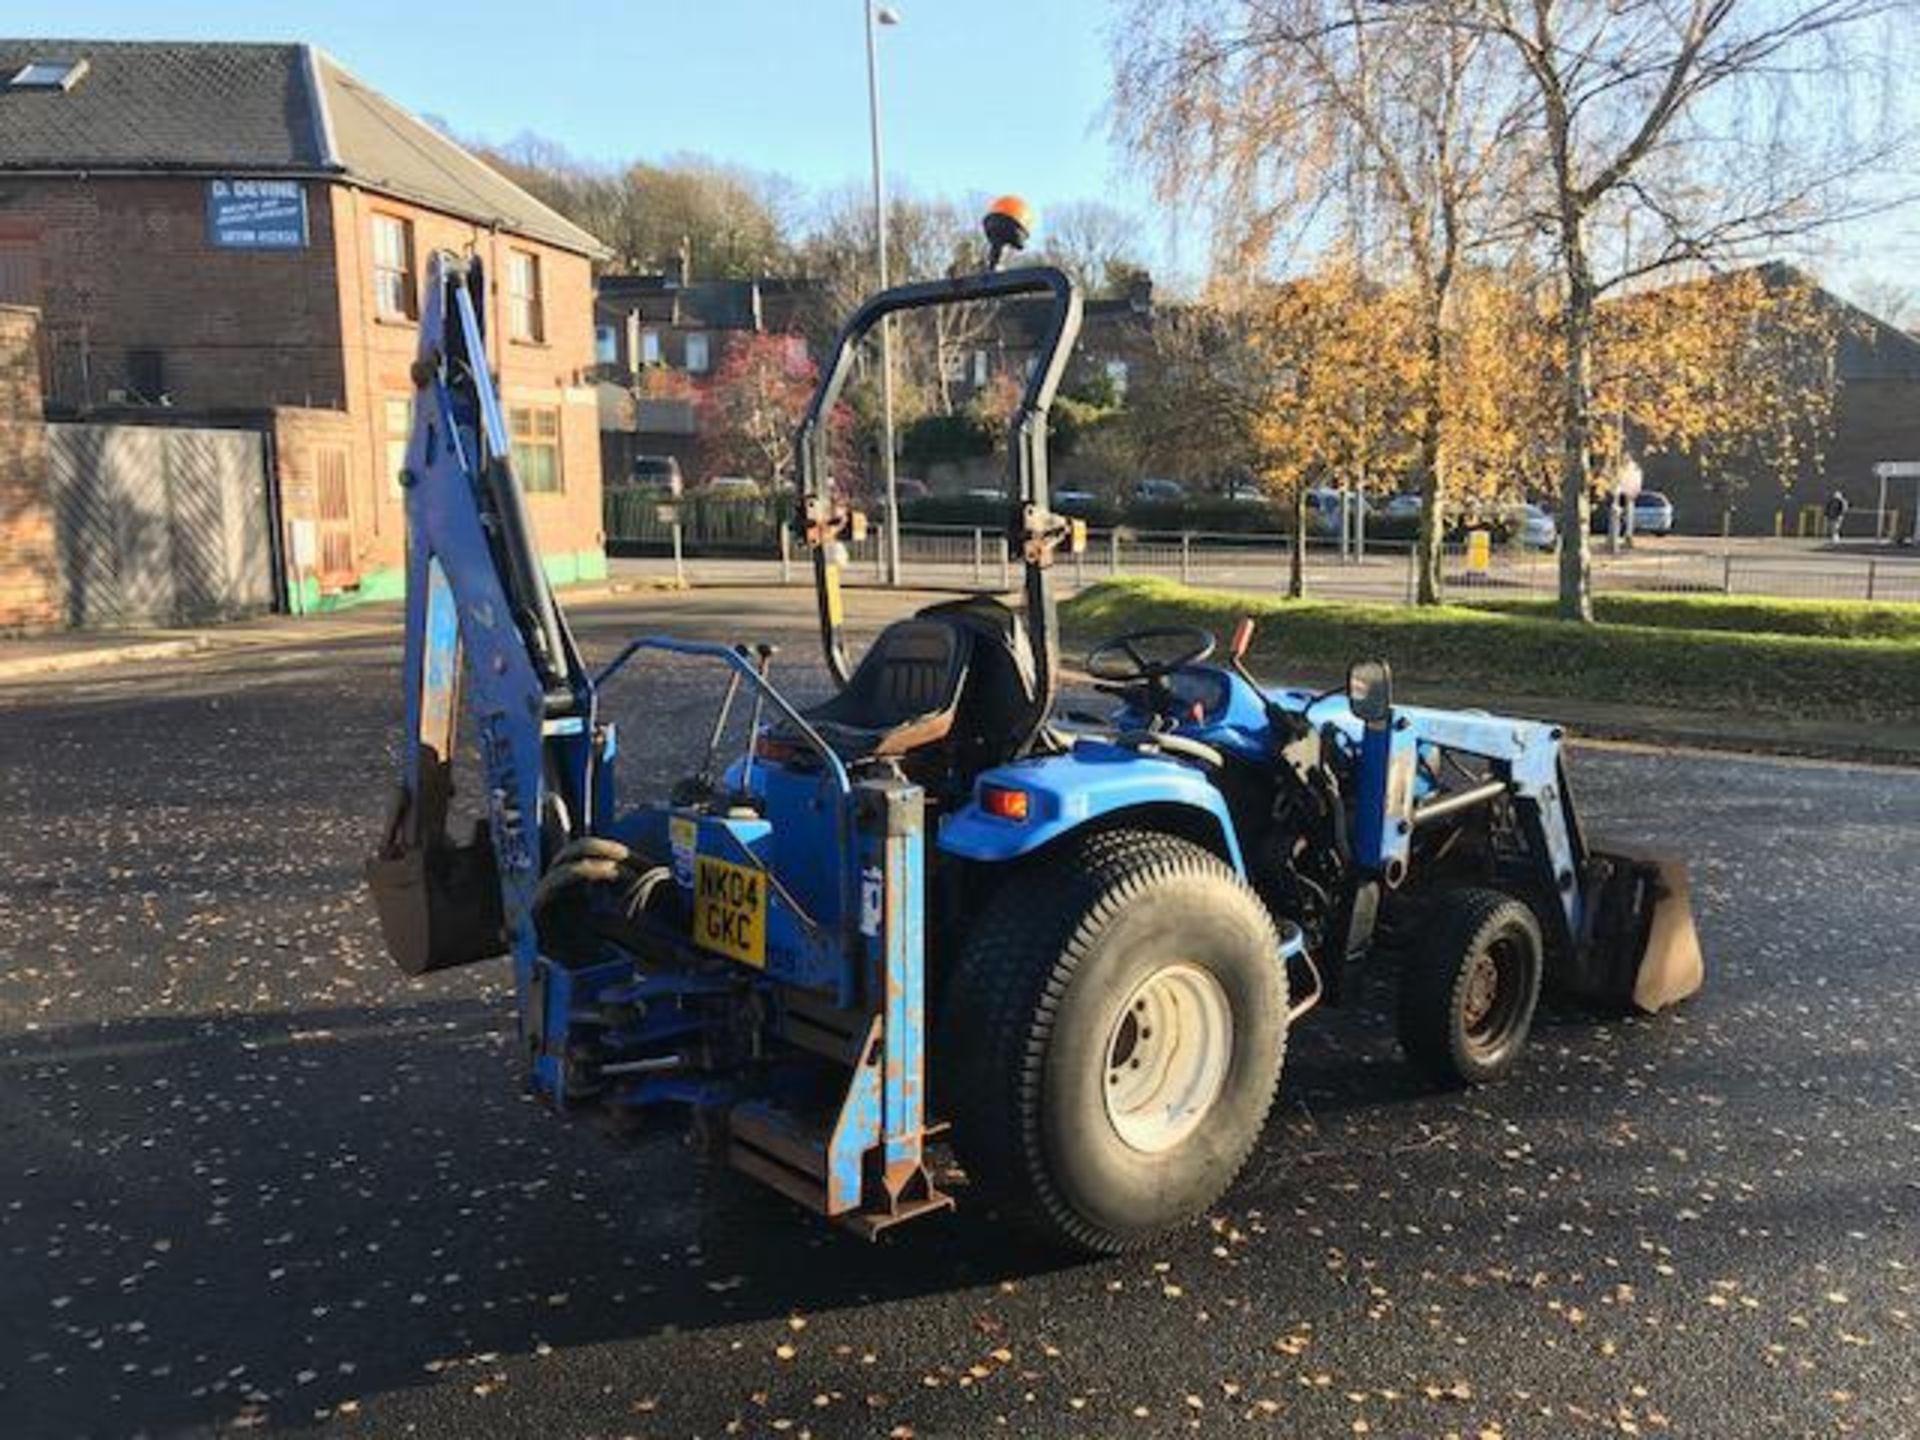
x: 1620, y: 918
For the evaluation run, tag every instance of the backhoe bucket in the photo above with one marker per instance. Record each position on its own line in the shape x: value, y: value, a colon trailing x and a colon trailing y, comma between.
x: 439, y: 904
x: 1640, y: 950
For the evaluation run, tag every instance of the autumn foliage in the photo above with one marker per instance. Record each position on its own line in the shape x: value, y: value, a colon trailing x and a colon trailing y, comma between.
x: 751, y: 405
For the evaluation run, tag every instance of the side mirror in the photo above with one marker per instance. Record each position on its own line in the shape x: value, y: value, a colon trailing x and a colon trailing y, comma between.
x: 1370, y: 691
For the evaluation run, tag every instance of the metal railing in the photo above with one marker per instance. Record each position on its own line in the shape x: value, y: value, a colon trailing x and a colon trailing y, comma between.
x: 975, y: 556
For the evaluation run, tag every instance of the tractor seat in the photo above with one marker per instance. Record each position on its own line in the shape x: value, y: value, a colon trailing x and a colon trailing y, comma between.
x: 904, y: 693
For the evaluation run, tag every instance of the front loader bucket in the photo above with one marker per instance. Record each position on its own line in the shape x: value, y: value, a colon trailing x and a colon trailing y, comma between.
x: 1640, y: 949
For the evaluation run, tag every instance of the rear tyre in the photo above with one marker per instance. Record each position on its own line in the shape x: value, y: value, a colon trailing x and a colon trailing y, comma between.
x: 1112, y: 1039
x: 1467, y: 995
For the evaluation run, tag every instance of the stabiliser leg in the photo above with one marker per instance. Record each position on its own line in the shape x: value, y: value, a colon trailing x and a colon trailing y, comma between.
x: 862, y: 1160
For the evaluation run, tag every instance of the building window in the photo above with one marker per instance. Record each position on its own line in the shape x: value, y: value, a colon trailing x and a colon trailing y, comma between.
x: 606, y: 345
x: 979, y: 367
x: 649, y: 347
x: 393, y: 290
x: 1117, y: 378
x: 146, y: 377
x: 699, y: 355
x: 535, y: 432
x: 397, y: 420
x: 526, y: 319
x: 19, y: 272
x: 48, y: 75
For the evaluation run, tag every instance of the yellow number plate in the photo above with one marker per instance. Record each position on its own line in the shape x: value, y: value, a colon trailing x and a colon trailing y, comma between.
x: 730, y: 910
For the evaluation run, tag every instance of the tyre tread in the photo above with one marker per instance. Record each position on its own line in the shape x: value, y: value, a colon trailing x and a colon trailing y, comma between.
x: 1432, y: 977
x: 1013, y: 973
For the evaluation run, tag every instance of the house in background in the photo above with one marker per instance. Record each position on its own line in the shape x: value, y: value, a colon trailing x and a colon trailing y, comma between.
x: 1876, y: 418
x: 656, y: 336
x: 236, y: 235
x: 1116, y: 336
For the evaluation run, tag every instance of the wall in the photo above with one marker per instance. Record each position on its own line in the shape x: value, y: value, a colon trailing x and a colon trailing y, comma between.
x: 30, y: 593
x: 555, y: 372
x: 125, y: 264
x: 299, y: 435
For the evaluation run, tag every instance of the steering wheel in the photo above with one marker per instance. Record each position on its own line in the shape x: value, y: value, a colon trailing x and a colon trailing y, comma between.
x: 1149, y: 655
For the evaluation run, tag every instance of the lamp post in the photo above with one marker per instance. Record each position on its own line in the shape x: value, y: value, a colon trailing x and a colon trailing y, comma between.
x: 878, y: 15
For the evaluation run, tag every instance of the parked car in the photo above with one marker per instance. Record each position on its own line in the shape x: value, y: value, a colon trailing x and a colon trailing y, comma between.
x: 1164, y: 492
x: 1245, y: 492
x: 1533, y: 527
x: 911, y: 487
x: 1070, y: 500
x: 1323, y: 510
x: 733, y: 486
x: 652, y: 475
x: 1652, y: 514
x: 1401, y: 507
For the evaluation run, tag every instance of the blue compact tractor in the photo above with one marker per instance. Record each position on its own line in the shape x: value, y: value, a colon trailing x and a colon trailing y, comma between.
x: 930, y: 907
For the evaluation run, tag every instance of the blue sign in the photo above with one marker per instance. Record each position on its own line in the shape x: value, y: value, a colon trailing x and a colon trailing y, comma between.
x: 257, y: 214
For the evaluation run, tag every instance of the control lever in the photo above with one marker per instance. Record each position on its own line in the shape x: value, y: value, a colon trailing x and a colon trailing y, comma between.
x: 1290, y: 725
x: 702, y: 784
x: 763, y: 654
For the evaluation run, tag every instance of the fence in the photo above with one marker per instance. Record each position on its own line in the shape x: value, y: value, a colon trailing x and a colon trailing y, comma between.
x: 1388, y: 570
x: 975, y: 557
x: 160, y: 525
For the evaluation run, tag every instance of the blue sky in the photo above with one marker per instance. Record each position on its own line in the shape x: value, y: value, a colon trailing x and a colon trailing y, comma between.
x: 979, y: 95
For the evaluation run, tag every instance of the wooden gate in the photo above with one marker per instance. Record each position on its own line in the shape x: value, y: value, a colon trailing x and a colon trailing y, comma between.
x: 160, y: 525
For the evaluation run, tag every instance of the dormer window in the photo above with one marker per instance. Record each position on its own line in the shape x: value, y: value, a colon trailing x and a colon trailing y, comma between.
x: 48, y: 75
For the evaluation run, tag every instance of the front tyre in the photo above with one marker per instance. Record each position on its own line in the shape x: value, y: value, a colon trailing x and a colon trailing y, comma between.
x: 1112, y: 1038
x: 1468, y: 994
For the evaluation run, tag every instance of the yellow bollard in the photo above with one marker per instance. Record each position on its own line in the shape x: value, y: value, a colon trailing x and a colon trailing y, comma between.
x: 1479, y: 552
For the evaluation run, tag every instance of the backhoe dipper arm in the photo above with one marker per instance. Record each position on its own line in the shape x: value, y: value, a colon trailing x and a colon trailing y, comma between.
x: 1029, y: 528
x: 480, y: 617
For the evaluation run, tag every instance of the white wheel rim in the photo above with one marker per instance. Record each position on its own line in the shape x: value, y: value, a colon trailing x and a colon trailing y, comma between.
x: 1166, y: 1057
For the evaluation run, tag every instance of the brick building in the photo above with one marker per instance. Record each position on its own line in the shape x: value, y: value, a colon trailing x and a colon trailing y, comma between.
x: 1876, y: 417
x: 29, y: 560
x: 237, y: 234
x: 648, y: 326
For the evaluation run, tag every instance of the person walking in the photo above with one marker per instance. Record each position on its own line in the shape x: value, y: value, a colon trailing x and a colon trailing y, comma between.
x: 1836, y: 512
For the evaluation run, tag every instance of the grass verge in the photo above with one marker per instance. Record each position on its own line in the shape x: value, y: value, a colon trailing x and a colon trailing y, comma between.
x: 1752, y: 615
x: 1509, y: 650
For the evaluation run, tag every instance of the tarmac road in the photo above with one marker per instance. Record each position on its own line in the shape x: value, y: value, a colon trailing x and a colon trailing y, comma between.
x: 253, y: 1176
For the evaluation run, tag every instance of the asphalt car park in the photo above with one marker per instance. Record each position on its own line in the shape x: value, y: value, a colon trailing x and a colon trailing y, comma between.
x: 257, y: 1178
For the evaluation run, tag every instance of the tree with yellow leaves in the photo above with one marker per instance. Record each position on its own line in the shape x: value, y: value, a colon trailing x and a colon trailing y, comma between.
x: 1735, y: 370
x: 1347, y: 400
x: 1297, y: 122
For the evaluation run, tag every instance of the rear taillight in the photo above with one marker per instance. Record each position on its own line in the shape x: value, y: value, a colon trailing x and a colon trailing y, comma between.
x: 1004, y: 802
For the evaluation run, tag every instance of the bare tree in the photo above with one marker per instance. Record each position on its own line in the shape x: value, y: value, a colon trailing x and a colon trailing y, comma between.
x: 1894, y: 301
x: 1717, y: 128
x: 687, y: 213
x: 926, y: 240
x: 1331, y: 124
x: 1096, y: 243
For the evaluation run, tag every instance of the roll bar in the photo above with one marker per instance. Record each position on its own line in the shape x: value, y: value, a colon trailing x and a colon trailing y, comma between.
x: 1032, y: 529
